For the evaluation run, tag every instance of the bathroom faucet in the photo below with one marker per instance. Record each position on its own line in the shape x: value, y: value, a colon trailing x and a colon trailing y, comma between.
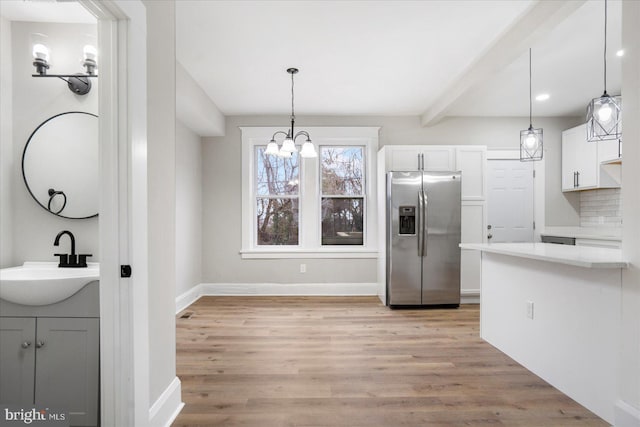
x: 70, y: 260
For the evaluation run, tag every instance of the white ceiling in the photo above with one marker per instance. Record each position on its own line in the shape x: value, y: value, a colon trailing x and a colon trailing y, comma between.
x: 375, y: 57
x: 387, y: 57
x: 68, y: 12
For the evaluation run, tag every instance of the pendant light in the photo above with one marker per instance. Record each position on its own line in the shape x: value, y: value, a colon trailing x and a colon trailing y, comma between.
x: 604, y: 113
x: 530, y: 139
x: 288, y: 146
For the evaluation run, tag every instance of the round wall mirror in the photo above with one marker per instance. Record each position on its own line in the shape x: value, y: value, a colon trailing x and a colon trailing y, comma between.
x: 60, y: 165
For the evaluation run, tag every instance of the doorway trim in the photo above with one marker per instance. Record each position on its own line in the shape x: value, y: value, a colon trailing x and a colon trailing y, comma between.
x: 538, y: 185
x: 124, y: 374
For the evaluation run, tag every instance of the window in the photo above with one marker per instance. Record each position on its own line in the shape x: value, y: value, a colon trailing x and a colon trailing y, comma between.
x: 322, y: 207
x: 342, y: 174
x: 276, y: 182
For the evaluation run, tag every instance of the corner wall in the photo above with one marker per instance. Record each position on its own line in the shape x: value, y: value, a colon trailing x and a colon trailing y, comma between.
x: 6, y: 146
x: 188, y: 209
x: 628, y: 408
x: 222, y: 190
x: 35, y: 100
x: 161, y: 173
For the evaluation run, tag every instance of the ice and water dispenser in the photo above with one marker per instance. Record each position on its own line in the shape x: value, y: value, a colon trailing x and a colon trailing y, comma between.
x: 407, y: 219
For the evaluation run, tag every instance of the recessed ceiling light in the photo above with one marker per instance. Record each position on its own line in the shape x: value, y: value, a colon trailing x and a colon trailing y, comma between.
x: 620, y: 52
x: 542, y: 97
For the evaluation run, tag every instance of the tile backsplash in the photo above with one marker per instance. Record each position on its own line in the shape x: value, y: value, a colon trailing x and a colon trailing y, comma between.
x: 601, y: 208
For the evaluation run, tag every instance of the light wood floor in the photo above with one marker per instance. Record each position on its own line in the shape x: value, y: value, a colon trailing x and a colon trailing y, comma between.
x: 349, y: 361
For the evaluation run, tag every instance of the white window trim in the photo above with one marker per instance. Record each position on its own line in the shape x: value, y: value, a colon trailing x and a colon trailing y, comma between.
x: 310, y: 228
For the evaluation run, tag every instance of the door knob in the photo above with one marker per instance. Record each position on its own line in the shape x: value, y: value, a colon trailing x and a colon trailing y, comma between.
x: 39, y: 344
x: 489, y: 227
x: 489, y: 236
x: 26, y: 344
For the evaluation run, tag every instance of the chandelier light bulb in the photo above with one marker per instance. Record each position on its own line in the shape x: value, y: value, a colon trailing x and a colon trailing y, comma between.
x: 288, y: 145
x: 308, y: 150
x: 272, y: 148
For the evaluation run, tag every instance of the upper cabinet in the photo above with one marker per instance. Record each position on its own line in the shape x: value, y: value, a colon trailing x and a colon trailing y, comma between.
x: 469, y: 159
x: 420, y: 157
x: 581, y: 161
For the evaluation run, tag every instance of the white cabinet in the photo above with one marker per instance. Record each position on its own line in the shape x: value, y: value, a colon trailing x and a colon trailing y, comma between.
x: 420, y: 157
x: 581, y: 161
x: 471, y: 161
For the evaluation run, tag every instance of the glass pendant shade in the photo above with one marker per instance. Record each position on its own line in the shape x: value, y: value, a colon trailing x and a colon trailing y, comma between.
x: 604, y: 118
x: 288, y: 146
x: 308, y: 150
x: 531, y: 147
x: 284, y: 154
x: 272, y: 148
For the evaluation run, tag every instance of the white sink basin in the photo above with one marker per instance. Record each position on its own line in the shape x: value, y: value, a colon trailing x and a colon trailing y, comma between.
x: 43, y: 283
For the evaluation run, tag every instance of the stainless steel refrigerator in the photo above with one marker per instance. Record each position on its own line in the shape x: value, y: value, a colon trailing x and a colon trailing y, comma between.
x: 422, y: 237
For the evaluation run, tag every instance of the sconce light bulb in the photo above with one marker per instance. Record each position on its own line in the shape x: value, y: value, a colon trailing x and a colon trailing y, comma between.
x: 40, y: 51
x: 90, y: 52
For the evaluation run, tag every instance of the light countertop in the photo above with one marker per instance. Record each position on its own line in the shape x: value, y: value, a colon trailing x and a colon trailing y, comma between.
x: 602, y: 233
x: 580, y: 256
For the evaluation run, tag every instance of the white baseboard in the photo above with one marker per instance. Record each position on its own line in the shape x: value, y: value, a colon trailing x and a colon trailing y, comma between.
x: 270, y: 289
x: 167, y: 407
x: 626, y: 415
x: 470, y: 296
x: 185, y: 299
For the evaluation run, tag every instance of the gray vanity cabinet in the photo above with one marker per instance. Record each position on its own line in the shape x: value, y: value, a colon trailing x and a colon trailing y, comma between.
x: 52, y: 362
x: 17, y: 359
x: 50, y: 355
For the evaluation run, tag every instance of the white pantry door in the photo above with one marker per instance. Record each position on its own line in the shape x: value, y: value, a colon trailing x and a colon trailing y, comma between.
x: 510, y: 201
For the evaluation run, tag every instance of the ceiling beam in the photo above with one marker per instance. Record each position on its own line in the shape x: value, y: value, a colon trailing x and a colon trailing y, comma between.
x: 537, y: 22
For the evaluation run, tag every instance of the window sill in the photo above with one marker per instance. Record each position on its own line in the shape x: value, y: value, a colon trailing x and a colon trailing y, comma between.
x: 331, y: 253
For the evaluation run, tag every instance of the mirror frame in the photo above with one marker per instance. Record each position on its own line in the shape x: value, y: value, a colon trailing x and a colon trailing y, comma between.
x: 24, y: 153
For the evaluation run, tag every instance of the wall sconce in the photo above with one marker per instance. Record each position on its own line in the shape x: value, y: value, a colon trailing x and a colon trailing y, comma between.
x: 78, y: 83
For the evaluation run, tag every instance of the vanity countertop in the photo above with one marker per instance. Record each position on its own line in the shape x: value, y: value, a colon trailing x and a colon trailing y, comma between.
x: 579, y: 256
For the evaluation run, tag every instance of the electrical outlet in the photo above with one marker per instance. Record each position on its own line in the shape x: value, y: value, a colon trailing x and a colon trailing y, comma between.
x: 303, y: 268
x: 530, y: 309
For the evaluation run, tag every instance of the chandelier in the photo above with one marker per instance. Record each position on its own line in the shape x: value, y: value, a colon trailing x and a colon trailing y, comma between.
x: 288, y: 146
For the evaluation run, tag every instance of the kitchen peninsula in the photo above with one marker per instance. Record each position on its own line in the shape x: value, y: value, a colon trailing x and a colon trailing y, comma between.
x: 556, y: 310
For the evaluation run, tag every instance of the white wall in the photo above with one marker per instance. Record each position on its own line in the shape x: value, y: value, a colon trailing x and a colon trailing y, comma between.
x: 7, y: 174
x: 188, y: 209
x: 161, y: 172
x: 628, y: 413
x: 35, y: 100
x: 222, y: 190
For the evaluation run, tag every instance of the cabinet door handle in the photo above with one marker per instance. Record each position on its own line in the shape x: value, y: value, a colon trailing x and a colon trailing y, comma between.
x: 39, y: 344
x: 26, y: 344
x: 574, y: 179
x: 577, y: 179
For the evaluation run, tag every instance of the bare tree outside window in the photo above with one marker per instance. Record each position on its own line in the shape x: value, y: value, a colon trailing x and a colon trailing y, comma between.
x: 277, y: 192
x: 342, y: 184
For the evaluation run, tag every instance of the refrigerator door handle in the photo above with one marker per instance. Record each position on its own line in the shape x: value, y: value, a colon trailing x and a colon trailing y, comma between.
x: 420, y: 223
x: 425, y: 233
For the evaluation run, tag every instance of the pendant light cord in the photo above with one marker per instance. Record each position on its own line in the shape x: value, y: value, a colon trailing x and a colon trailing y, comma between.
x: 605, y: 46
x: 530, y: 102
x: 293, y: 115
